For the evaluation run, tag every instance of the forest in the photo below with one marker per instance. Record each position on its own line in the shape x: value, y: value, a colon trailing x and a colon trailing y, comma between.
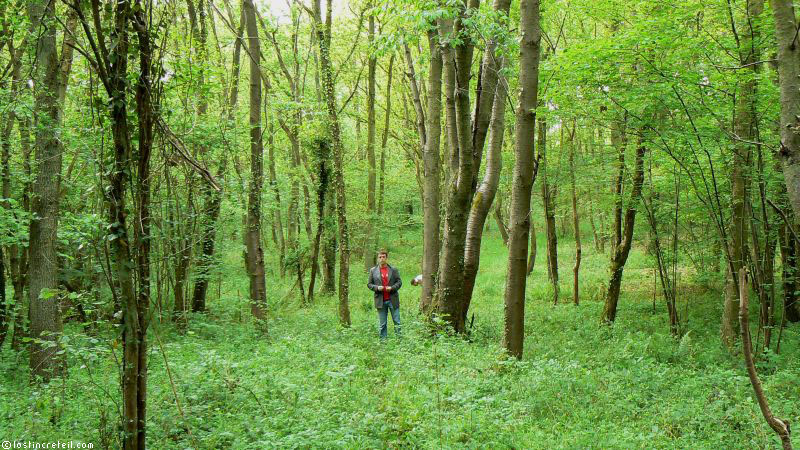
x: 582, y: 214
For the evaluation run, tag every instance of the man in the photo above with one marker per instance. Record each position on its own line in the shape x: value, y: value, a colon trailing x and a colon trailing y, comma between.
x: 384, y: 280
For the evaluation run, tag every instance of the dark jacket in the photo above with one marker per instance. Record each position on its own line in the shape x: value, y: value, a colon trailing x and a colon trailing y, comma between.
x: 394, y: 282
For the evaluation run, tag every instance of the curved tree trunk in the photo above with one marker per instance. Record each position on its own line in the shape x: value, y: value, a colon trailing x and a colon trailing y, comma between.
x: 622, y: 250
x: 484, y: 196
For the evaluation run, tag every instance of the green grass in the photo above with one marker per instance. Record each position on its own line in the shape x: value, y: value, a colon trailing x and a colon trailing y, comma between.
x: 310, y: 383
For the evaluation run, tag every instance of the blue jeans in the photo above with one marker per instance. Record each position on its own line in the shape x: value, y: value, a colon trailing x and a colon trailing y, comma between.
x: 383, y: 314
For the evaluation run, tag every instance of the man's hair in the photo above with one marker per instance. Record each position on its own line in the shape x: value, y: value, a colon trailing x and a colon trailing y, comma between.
x: 383, y: 252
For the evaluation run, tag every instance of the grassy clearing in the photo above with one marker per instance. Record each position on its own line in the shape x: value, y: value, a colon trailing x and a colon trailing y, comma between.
x: 312, y: 384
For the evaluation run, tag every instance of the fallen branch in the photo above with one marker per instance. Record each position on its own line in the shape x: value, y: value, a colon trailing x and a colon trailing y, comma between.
x: 180, y: 149
x: 781, y: 427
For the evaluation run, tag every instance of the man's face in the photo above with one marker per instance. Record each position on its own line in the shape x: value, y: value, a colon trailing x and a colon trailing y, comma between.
x: 382, y: 257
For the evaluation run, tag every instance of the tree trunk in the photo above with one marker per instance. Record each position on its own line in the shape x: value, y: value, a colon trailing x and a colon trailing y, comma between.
x: 485, y: 92
x: 532, y: 254
x: 789, y: 80
x: 212, y: 199
x: 501, y: 223
x: 19, y: 254
x: 369, y: 238
x: 323, y: 154
x: 484, y: 196
x: 575, y: 220
x: 457, y: 62
x: 385, y: 136
x: 780, y: 426
x: 487, y: 113
x: 277, y: 219
x: 50, y: 79
x: 254, y: 254
x: 744, y: 128
x: 430, y: 159
x: 329, y: 243
x: 323, y: 39
x: 183, y: 255
x: 142, y: 238
x: 523, y: 178
x: 622, y: 250
x: 789, y: 275
x: 548, y: 198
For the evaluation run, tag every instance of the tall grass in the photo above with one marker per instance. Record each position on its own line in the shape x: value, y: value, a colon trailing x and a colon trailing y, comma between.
x: 310, y: 383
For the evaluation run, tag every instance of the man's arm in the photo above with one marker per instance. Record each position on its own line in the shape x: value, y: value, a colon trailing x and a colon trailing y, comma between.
x: 370, y: 285
x: 397, y: 284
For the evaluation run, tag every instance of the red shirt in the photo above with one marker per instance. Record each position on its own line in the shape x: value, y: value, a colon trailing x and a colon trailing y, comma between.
x: 385, y: 280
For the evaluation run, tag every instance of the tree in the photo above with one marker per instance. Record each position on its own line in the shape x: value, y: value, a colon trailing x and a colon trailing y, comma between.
x: 431, y: 177
x: 789, y: 80
x: 369, y: 240
x: 50, y: 83
x: 623, y: 227
x: 324, y: 41
x: 575, y: 219
x: 523, y: 178
x: 254, y: 253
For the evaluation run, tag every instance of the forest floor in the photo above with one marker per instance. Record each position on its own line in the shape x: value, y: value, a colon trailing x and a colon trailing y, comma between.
x: 310, y: 383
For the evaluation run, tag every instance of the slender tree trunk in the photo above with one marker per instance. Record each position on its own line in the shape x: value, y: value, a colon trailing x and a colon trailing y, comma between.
x: 385, y: 136
x: 548, y: 198
x: 4, y: 307
x: 430, y: 159
x: 369, y: 239
x: 6, y: 310
x: 501, y: 223
x: 329, y: 243
x: 18, y: 254
x: 622, y: 249
x: 485, y: 92
x: 142, y: 238
x: 575, y: 219
x: 744, y: 128
x: 212, y: 199
x: 780, y: 426
x: 532, y: 254
x: 323, y: 38
x: 524, y: 175
x: 254, y: 254
x: 183, y: 255
x: 323, y: 154
x: 114, y: 78
x: 277, y: 219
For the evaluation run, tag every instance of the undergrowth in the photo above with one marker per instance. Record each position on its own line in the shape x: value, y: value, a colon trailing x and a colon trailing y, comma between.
x: 311, y: 383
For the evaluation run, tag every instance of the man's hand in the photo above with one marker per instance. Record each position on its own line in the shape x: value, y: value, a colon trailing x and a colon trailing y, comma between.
x: 388, y: 288
x: 380, y: 288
